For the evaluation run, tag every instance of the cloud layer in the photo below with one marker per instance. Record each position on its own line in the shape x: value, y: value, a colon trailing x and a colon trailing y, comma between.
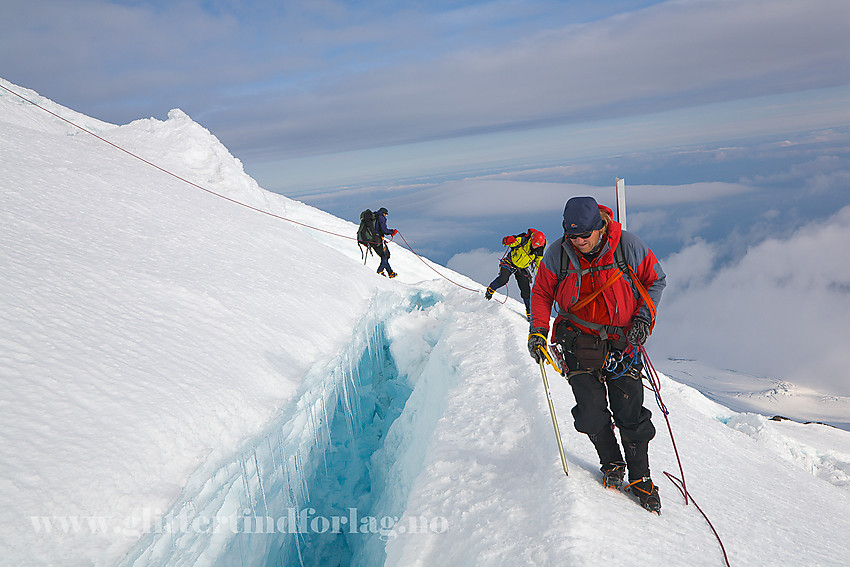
x: 782, y: 311
x: 299, y: 78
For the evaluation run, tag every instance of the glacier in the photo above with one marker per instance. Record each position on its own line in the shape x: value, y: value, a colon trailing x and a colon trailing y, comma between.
x: 190, y: 382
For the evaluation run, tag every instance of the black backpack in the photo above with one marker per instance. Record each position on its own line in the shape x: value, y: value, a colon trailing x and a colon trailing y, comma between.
x: 366, y: 232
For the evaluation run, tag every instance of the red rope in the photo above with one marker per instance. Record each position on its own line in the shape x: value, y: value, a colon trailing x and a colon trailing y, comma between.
x: 681, y: 486
x: 432, y: 267
x: 655, y: 381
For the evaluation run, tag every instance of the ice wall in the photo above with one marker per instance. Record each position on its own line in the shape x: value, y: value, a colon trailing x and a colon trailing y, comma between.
x: 313, y: 488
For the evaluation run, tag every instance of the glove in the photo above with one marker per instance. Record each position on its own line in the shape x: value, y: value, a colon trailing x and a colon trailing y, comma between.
x: 508, y: 240
x: 395, y: 231
x: 536, y: 339
x: 639, y: 332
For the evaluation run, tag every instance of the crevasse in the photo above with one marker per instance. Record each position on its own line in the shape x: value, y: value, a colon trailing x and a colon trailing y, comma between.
x: 311, y: 490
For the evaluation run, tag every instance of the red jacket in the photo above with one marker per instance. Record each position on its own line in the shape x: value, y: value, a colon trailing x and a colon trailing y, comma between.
x: 617, y: 305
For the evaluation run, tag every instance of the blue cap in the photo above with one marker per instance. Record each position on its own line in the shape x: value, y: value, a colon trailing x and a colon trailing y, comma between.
x: 582, y: 215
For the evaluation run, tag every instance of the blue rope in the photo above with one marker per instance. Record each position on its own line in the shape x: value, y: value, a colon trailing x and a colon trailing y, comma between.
x: 628, y: 358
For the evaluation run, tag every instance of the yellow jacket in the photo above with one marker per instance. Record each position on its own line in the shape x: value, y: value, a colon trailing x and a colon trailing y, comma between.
x: 521, y: 254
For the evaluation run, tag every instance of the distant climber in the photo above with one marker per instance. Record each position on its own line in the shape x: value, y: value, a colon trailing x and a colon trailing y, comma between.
x: 371, y: 233
x: 523, y: 257
x: 607, y: 283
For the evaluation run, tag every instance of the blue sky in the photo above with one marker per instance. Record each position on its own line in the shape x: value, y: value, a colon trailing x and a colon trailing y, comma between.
x: 729, y: 119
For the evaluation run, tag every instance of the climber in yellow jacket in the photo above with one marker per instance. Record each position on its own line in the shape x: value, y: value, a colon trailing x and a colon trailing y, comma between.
x: 523, y: 257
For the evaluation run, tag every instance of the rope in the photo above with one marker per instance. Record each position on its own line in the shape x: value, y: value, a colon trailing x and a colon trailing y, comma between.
x: 502, y: 262
x: 681, y: 486
x: 644, y: 293
x: 655, y: 383
x: 174, y: 175
x: 432, y: 267
x: 226, y: 198
x: 614, y: 361
x: 502, y: 301
x: 679, y: 483
x: 578, y: 305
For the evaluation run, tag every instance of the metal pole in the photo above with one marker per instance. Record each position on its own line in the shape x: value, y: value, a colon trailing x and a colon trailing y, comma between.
x: 621, y: 201
x: 554, y: 419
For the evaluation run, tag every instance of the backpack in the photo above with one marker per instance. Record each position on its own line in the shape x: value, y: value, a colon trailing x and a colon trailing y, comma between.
x: 366, y: 230
x: 366, y: 233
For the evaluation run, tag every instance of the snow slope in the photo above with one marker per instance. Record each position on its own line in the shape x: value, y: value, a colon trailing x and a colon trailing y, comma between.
x: 176, y: 367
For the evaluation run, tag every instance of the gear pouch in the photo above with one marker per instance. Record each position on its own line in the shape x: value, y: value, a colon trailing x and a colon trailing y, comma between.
x: 581, y: 351
x: 590, y: 351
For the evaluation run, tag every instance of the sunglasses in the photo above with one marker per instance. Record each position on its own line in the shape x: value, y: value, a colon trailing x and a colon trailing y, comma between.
x: 583, y: 235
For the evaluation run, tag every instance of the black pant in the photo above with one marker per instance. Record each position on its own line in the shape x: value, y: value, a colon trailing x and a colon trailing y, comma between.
x: 523, y: 280
x: 383, y: 253
x: 624, y: 396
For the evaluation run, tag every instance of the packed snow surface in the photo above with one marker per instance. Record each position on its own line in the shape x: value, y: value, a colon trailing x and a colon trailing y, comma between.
x: 187, y: 381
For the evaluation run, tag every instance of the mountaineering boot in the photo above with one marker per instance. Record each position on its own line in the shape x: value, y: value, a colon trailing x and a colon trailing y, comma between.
x: 381, y: 271
x: 613, y: 474
x: 528, y: 315
x: 647, y: 494
x: 488, y: 294
x: 392, y: 274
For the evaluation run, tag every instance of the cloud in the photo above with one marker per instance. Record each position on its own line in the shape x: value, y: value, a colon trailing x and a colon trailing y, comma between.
x: 666, y: 56
x: 300, y: 78
x: 819, y: 175
x: 481, y: 265
x: 693, y: 266
x: 782, y: 311
x: 484, y: 197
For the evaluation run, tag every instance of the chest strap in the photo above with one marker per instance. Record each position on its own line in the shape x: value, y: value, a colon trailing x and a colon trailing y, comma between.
x: 578, y: 305
x: 584, y: 271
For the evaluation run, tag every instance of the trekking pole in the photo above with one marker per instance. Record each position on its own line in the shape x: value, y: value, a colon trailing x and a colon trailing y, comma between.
x: 542, y: 361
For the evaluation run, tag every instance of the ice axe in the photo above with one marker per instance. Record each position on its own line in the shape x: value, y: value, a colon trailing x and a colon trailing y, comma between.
x: 542, y: 361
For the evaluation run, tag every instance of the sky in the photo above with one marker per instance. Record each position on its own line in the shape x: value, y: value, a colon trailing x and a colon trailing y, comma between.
x: 729, y: 120
x: 498, y: 109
